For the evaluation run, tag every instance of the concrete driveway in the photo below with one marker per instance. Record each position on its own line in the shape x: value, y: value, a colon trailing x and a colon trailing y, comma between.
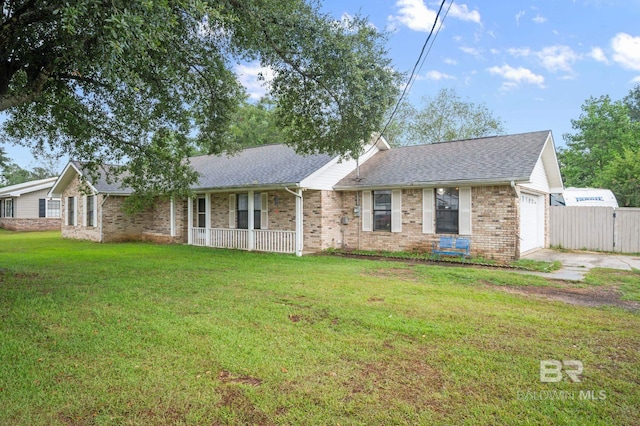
x: 575, y: 265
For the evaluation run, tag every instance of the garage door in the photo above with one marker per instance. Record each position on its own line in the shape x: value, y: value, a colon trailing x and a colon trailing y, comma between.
x: 531, y: 222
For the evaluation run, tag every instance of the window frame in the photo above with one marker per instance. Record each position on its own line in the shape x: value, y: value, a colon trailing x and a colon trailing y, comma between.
x: 90, y: 212
x: 201, y: 214
x: 387, y: 211
x: 71, y: 211
x: 242, y: 215
x: 50, y: 211
x: 444, y: 197
x: 8, y: 208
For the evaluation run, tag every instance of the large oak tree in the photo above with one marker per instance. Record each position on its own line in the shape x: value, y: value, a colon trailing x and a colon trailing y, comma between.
x: 143, y: 82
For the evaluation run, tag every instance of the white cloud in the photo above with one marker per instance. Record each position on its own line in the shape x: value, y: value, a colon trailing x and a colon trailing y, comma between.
x: 249, y: 77
x: 626, y: 51
x: 519, y: 15
x: 471, y: 51
x: 463, y: 13
x: 437, y: 76
x: 636, y: 79
x: 557, y: 58
x: 515, y: 76
x: 598, y: 54
x: 553, y: 58
x: 415, y: 15
x: 450, y: 61
x: 539, y: 19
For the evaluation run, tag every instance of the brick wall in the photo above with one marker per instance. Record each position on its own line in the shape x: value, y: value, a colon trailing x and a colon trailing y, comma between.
x: 495, y: 224
x: 39, y: 224
x: 78, y: 231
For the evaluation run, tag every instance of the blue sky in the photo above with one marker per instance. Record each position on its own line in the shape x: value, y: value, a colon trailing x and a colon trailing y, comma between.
x: 533, y: 63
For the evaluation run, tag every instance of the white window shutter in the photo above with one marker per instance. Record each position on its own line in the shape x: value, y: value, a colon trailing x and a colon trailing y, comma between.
x: 396, y: 210
x: 232, y: 211
x: 84, y: 216
x: 75, y: 211
x: 365, y: 211
x: 428, y: 205
x: 464, y: 212
x: 264, y: 211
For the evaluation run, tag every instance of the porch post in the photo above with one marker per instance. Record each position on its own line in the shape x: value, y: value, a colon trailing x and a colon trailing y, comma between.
x: 299, y: 223
x: 190, y: 220
x: 250, y: 236
x: 207, y: 215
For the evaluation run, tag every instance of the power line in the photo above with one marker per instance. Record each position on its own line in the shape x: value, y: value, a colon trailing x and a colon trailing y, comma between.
x: 413, y: 71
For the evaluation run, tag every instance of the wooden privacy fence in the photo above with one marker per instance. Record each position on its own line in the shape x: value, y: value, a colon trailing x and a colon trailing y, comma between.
x: 595, y: 228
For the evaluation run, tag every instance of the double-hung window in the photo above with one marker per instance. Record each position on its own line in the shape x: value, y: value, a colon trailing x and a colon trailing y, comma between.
x: 243, y: 210
x: 202, y: 212
x: 53, y: 208
x: 8, y: 208
x: 71, y: 211
x: 447, y: 207
x: 90, y: 210
x: 382, y: 211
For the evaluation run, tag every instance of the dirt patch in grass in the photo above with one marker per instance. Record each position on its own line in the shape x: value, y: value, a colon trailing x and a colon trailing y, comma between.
x: 235, y: 400
x: 405, y: 274
x: 589, y: 296
x: 408, y: 380
x: 226, y: 377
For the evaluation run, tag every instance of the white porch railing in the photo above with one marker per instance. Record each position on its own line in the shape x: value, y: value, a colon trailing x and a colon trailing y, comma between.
x: 275, y: 241
x: 264, y: 240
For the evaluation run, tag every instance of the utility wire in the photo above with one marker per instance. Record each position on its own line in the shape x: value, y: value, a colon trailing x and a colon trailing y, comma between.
x: 415, y: 67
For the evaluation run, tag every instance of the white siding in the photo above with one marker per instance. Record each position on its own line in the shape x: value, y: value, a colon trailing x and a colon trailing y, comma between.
x: 334, y: 171
x: 539, y: 180
x: 26, y: 206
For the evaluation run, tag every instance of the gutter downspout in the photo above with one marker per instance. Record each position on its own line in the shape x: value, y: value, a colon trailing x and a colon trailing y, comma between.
x: 299, y: 224
x: 515, y: 188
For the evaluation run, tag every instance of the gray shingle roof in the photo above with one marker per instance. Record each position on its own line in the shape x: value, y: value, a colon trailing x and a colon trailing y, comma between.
x: 491, y: 159
x: 259, y: 166
x: 104, y: 185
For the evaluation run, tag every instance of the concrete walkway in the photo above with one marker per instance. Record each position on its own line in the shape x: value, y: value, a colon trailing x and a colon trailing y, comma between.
x: 575, y: 265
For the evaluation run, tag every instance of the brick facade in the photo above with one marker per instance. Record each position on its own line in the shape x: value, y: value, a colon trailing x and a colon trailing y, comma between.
x: 494, y: 224
x: 114, y: 224
x: 39, y: 224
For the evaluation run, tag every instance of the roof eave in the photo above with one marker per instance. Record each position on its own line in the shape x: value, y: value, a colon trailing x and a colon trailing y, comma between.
x: 433, y: 184
x: 244, y: 188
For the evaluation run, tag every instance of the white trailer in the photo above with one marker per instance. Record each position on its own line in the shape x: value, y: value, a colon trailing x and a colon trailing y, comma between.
x: 589, y: 197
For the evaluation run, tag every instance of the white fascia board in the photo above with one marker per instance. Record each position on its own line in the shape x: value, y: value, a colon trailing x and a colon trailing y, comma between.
x: 64, y: 179
x: 551, y: 166
x: 27, y: 187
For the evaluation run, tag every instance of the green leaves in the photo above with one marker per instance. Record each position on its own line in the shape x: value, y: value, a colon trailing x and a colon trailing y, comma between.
x: 142, y: 82
x: 602, y: 151
x: 444, y: 117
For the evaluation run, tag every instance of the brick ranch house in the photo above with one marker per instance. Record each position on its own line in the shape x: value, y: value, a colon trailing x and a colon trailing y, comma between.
x: 494, y: 191
x: 27, y: 207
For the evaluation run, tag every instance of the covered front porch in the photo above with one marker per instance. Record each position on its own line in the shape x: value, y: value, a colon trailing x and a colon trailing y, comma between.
x: 266, y: 219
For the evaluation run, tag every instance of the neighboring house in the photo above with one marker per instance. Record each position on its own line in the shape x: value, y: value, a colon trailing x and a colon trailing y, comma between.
x: 494, y: 191
x: 27, y: 207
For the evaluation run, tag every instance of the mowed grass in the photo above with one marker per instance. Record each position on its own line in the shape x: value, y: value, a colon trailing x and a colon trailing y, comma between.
x: 150, y: 334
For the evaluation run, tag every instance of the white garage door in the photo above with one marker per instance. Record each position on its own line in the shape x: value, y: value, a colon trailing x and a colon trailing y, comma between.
x: 531, y: 221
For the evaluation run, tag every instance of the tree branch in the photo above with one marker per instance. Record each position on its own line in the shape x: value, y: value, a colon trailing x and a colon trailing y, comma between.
x: 34, y: 88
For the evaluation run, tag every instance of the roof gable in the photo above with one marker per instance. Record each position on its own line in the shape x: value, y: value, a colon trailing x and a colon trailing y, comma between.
x: 483, y: 160
x: 27, y: 187
x: 102, y: 185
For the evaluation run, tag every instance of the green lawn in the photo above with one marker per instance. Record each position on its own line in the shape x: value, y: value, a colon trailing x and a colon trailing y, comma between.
x: 149, y: 334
